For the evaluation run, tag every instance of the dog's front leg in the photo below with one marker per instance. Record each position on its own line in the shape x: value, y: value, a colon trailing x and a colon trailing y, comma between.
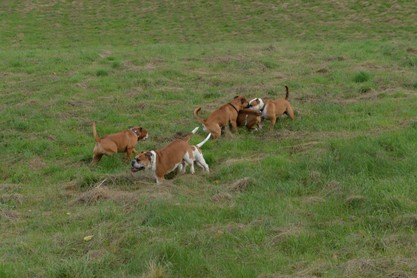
x: 273, y: 121
x: 159, y: 180
x: 233, y: 126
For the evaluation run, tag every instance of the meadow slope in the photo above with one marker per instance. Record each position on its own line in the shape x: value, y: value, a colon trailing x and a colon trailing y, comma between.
x: 332, y: 193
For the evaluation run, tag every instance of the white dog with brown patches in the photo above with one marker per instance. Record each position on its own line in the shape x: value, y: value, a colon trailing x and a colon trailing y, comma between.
x: 195, y: 155
x: 175, y: 155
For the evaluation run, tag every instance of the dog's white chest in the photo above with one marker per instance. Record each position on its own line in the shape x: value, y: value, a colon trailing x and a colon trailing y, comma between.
x: 265, y: 112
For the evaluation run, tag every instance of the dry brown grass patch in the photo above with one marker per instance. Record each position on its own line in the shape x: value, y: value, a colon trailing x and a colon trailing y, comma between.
x: 412, y: 50
x: 312, y: 200
x: 100, y: 193
x: 8, y: 214
x: 407, y: 220
x: 96, y: 255
x: 221, y: 197
x: 15, y: 198
x: 282, y: 233
x: 240, y: 185
x: 386, y: 267
x: 355, y: 201
x: 156, y: 270
x: 254, y: 158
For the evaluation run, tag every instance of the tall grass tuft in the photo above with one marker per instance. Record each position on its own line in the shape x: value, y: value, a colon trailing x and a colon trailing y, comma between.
x: 156, y: 270
x: 102, y: 72
x: 361, y: 77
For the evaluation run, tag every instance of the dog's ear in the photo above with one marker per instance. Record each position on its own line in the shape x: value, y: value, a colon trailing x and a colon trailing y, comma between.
x: 243, y: 100
x: 140, y: 129
x: 235, y: 97
x: 148, y: 154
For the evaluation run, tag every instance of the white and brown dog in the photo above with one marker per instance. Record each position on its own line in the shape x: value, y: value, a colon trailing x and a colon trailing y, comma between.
x: 123, y: 141
x: 195, y: 155
x: 273, y: 109
x: 167, y: 159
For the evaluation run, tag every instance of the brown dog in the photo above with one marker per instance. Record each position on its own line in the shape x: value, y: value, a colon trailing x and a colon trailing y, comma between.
x: 124, y: 141
x: 167, y: 159
x: 272, y: 109
x: 248, y: 119
x: 225, y: 116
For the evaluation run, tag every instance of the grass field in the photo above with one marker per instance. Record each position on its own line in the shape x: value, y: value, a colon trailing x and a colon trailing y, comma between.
x: 331, y: 194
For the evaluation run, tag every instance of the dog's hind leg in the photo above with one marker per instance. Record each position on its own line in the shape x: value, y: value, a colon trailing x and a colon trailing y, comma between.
x: 202, y: 163
x: 216, y: 132
x: 290, y: 112
x: 190, y: 162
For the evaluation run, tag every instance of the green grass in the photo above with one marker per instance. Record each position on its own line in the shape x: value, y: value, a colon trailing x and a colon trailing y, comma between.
x: 332, y: 193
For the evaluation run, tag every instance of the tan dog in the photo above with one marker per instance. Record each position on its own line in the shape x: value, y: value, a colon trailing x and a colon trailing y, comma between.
x: 167, y: 159
x: 250, y: 120
x: 195, y: 155
x: 124, y: 141
x: 225, y: 116
x: 272, y: 109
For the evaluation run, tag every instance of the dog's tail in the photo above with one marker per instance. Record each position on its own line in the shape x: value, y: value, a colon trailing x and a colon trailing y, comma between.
x: 188, y: 137
x: 194, y: 130
x: 287, y: 94
x: 199, y: 145
x: 95, y: 133
x: 197, y: 116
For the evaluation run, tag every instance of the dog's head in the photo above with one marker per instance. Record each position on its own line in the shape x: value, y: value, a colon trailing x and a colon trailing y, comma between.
x: 256, y: 104
x: 140, y: 132
x: 142, y: 161
x: 240, y: 102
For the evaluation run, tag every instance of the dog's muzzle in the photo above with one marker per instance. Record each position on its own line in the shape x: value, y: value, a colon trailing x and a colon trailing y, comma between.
x: 136, y: 166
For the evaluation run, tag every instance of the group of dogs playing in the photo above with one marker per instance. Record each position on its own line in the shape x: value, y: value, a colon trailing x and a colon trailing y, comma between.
x: 179, y: 153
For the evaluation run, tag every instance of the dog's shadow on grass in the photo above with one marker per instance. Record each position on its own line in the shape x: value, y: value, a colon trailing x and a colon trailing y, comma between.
x: 86, y: 161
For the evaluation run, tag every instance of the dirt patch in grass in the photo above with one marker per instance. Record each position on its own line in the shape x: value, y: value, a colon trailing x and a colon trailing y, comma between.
x: 96, y: 255
x: 365, y: 267
x: 97, y: 194
x: 355, y: 201
x: 387, y: 267
x: 408, y: 220
x: 219, y: 230
x: 313, y: 200
x: 13, y: 198
x: 37, y: 163
x: 333, y: 188
x: 8, y: 214
x: 282, y: 233
x: 233, y: 161
x: 412, y: 50
x: 123, y: 189
x: 221, y: 197
x: 29, y: 6
x: 240, y: 185
x: 403, y: 240
x: 9, y: 187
